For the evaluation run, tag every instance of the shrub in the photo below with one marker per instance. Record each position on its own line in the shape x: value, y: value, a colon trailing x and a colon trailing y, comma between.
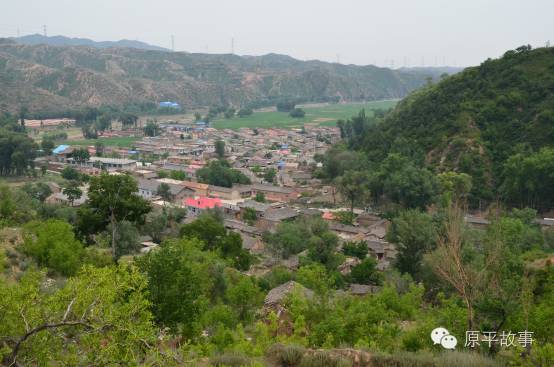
x: 325, y: 359
x: 291, y: 356
x: 230, y: 360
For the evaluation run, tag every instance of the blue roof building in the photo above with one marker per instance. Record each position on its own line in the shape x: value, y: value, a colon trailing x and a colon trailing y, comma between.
x: 170, y: 104
x: 60, y: 149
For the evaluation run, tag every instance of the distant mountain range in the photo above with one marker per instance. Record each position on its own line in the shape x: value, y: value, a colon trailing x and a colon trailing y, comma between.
x: 44, y: 77
x: 38, y: 39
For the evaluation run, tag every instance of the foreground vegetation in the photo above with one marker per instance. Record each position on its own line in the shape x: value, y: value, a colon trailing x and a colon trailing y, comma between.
x: 71, y: 293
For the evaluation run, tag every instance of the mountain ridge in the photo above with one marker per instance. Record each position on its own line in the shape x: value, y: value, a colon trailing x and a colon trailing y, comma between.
x: 59, y: 40
x: 57, y: 78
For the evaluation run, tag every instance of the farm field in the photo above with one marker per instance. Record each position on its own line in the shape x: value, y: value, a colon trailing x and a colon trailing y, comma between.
x: 121, y: 142
x: 325, y: 115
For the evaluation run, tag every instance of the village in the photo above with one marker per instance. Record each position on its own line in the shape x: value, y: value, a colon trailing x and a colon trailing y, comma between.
x: 280, y: 166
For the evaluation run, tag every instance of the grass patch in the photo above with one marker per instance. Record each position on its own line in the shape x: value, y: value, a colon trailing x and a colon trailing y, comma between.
x: 324, y: 115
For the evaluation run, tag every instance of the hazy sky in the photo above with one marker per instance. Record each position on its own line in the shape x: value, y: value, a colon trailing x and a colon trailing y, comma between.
x: 436, y: 32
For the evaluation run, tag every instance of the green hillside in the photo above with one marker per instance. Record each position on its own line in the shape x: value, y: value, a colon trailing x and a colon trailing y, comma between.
x: 489, y: 121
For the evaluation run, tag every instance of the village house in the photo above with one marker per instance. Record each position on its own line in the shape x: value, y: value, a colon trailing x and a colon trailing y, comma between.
x: 275, y: 193
x: 260, y: 208
x: 230, y: 193
x: 61, y: 198
x: 198, y: 205
x: 199, y: 189
x: 272, y: 217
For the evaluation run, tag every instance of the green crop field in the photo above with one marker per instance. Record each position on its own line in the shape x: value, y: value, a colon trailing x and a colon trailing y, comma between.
x: 121, y: 142
x: 326, y: 115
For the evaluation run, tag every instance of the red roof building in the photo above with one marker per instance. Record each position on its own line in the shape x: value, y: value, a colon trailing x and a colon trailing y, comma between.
x: 197, y: 205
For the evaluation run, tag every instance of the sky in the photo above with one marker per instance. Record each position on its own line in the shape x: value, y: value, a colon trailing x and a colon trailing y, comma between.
x: 385, y: 33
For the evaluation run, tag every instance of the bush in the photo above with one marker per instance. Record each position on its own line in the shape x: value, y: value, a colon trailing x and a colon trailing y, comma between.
x: 445, y: 359
x: 297, y: 113
x: 230, y: 360
x: 52, y: 244
x: 285, y: 355
x: 324, y: 359
x: 355, y: 249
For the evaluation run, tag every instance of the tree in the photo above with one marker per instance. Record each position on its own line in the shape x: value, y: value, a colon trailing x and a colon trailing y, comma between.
x: 151, y: 129
x: 414, y: 234
x: 128, y: 119
x: 197, y: 116
x: 455, y: 186
x: 39, y: 191
x: 53, y: 244
x: 285, y: 106
x: 73, y: 192
x: 249, y: 216
x: 99, y: 148
x: 212, y: 233
x: 288, y: 239
x: 72, y: 322
x: 244, y: 296
x: 18, y: 150
x: 366, y: 272
x: 178, y: 175
x: 260, y: 197
x: 220, y: 148
x: 400, y: 181
x: 47, y: 145
x: 206, y: 228
x: 270, y: 174
x: 126, y: 238
x: 156, y: 225
x: 357, y: 249
x: 322, y: 248
x: 447, y: 261
x: 164, y: 191
x: 353, y: 186
x: 178, y: 279
x: 245, y: 111
x: 219, y: 173
x: 104, y: 122
x: 528, y: 179
x: 229, y: 113
x: 297, y: 113
x: 115, y: 198
x: 80, y: 155
x: 70, y: 173
x: 23, y: 110
x: 89, y: 131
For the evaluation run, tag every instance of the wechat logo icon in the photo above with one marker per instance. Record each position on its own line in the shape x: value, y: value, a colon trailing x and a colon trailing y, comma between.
x: 442, y: 336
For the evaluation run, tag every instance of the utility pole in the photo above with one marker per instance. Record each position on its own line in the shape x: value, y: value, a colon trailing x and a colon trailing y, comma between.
x: 233, y: 45
x: 44, y: 30
x: 173, y: 43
